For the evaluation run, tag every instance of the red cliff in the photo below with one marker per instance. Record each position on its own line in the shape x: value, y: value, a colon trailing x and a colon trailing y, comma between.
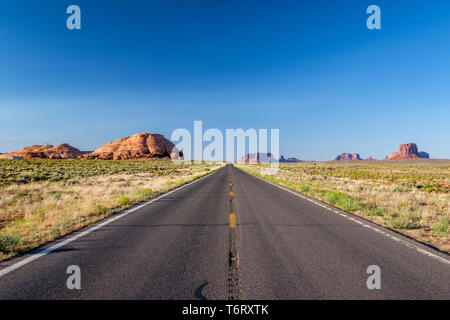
x: 408, y: 151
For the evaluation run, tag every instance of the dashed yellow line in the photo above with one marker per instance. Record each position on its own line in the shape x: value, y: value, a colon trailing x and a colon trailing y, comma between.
x: 232, y: 220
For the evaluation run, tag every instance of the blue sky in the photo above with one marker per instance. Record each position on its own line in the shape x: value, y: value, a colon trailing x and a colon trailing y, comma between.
x: 310, y: 68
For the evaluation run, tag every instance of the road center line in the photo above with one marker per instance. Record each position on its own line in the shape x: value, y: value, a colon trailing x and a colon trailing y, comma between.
x: 232, y: 220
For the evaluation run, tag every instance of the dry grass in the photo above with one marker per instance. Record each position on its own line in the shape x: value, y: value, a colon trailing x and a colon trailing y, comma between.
x: 412, y: 197
x: 38, y: 212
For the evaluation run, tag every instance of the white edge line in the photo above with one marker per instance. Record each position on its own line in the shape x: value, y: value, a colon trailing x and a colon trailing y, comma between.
x: 43, y: 252
x: 405, y: 243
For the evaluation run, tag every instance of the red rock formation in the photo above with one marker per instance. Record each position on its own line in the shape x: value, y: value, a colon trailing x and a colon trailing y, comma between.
x: 408, y: 151
x: 245, y: 158
x: 266, y: 158
x: 62, y: 151
x: 140, y: 145
x: 257, y: 157
x: 348, y: 156
x: 293, y: 160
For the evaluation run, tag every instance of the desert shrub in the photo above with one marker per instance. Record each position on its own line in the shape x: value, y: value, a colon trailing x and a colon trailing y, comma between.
x: 100, y: 209
x: 375, y: 211
x: 401, y: 190
x: 415, y: 216
x: 26, y: 171
x: 400, y: 222
x: 56, y: 194
x: 441, y: 228
x: 144, y: 194
x: 37, y: 198
x: 342, y: 200
x: 304, y: 188
x: 41, y: 213
x: 124, y: 201
x: 19, y: 220
x: 8, y: 242
x: 57, y: 231
x: 20, y: 194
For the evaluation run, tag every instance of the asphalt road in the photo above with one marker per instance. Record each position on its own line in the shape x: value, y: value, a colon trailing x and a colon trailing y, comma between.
x: 231, y: 235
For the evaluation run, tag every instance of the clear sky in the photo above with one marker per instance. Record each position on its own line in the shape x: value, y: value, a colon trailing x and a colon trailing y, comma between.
x: 310, y: 68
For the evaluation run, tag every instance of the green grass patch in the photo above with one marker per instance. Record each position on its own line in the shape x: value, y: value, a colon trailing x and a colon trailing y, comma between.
x: 123, y: 201
x: 400, y: 222
x: 100, y: 209
x: 144, y: 194
x: 9, y: 242
x: 441, y: 228
x: 342, y: 201
x: 375, y: 211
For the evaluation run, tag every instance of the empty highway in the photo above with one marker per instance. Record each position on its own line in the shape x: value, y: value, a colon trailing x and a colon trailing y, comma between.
x: 231, y: 235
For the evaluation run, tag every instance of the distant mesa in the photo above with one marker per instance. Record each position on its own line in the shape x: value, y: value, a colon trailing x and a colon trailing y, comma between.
x: 258, y: 158
x: 140, y: 145
x: 290, y: 160
x: 352, y: 157
x: 261, y: 157
x: 62, y: 151
x: 348, y: 157
x: 408, y: 151
x: 153, y: 145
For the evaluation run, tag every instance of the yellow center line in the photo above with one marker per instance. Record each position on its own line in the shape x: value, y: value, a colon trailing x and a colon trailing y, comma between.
x: 232, y: 220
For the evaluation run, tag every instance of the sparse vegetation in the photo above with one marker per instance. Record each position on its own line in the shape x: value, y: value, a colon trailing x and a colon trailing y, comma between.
x: 71, y: 171
x: 42, y: 200
x: 124, y: 201
x: 412, y: 197
x: 144, y: 194
x: 441, y: 228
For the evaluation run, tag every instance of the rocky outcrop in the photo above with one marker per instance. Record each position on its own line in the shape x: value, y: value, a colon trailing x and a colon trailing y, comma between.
x: 408, y: 151
x: 370, y: 159
x: 258, y: 158
x: 140, y: 145
x: 348, y: 156
x: 261, y: 157
x: 62, y: 151
x: 290, y: 160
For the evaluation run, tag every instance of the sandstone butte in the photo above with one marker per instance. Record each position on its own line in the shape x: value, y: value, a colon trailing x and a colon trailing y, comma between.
x: 62, y: 151
x: 140, y: 145
x: 408, y: 151
x: 261, y: 157
x: 348, y: 156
